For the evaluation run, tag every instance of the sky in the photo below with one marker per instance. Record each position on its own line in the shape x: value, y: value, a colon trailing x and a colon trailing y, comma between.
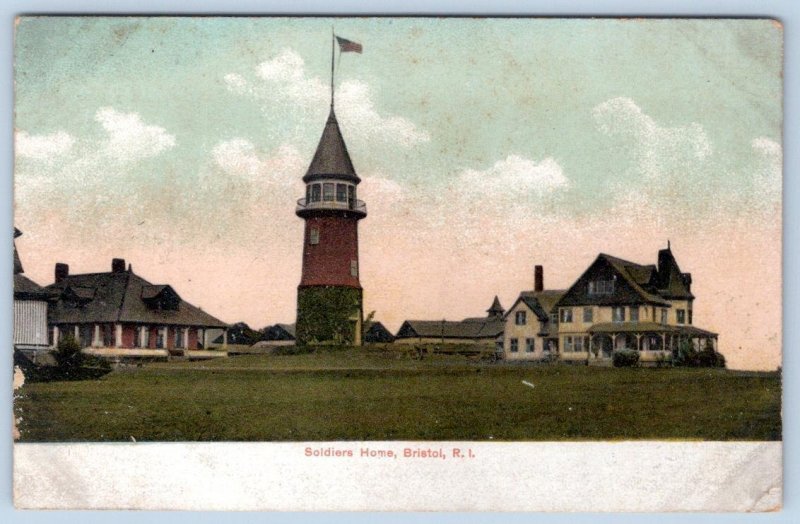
x: 485, y: 146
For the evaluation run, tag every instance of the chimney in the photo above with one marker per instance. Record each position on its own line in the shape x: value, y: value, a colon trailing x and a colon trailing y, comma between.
x: 118, y: 265
x: 61, y: 272
x: 538, y: 278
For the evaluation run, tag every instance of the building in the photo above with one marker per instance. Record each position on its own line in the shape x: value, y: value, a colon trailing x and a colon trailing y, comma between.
x: 376, y: 333
x: 119, y: 313
x: 30, y: 311
x: 531, y: 323
x: 615, y: 305
x: 486, y: 330
x: 279, y: 335
x: 330, y: 297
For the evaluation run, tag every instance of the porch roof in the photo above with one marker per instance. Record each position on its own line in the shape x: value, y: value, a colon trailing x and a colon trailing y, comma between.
x: 649, y: 327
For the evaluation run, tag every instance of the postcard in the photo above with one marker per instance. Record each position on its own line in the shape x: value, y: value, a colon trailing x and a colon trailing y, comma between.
x: 473, y: 264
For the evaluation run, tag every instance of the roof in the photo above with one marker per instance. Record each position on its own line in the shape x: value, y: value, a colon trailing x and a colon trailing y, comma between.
x: 118, y: 297
x: 641, y: 327
x: 541, y: 303
x: 488, y: 328
x: 636, y: 275
x: 495, y: 308
x: 331, y: 158
x: 17, y: 261
x: 671, y: 282
x: 27, y: 289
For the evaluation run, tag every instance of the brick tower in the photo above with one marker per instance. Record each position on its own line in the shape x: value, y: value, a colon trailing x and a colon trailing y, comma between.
x: 329, y: 297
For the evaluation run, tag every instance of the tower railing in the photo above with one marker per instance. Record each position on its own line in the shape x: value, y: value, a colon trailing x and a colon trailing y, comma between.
x: 359, y: 206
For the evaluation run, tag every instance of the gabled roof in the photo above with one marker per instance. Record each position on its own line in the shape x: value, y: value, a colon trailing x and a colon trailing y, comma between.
x: 488, y: 328
x: 671, y: 283
x: 542, y: 303
x: 117, y: 297
x: 331, y: 158
x: 152, y: 291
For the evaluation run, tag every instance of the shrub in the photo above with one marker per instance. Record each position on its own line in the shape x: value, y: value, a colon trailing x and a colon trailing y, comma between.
x: 625, y: 358
x: 73, y: 364
x: 687, y: 356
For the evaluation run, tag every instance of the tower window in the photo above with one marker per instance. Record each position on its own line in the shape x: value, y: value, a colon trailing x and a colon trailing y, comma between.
x: 341, y: 192
x: 315, y: 193
x: 351, y: 196
x: 354, y: 268
x: 327, y: 191
x: 313, y: 236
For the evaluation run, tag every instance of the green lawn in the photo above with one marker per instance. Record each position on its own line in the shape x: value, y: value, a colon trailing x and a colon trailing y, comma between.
x: 372, y: 395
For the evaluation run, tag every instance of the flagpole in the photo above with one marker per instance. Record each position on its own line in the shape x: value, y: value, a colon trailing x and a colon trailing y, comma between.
x: 333, y: 45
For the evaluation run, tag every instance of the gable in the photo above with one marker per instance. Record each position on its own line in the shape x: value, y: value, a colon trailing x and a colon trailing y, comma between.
x: 607, y: 282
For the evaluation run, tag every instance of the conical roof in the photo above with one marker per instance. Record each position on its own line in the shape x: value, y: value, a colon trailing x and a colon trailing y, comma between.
x: 331, y: 159
x: 495, y: 309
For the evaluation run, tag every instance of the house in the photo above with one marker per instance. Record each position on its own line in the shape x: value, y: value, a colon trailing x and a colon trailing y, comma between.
x: 279, y: 335
x: 119, y: 313
x: 486, y: 330
x: 531, y: 323
x: 617, y: 304
x: 30, y: 311
x: 376, y: 333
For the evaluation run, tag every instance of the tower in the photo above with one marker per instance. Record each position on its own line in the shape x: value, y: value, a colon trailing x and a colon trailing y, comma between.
x: 329, y: 297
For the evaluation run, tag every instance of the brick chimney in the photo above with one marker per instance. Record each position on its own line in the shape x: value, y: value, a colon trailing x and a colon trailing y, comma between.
x: 61, y: 271
x: 538, y: 278
x: 118, y: 265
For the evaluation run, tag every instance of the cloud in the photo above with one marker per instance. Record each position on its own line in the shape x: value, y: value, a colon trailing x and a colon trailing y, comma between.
x: 42, y: 147
x: 658, y: 148
x: 282, y: 83
x: 240, y: 158
x: 767, y: 174
x: 514, y: 178
x: 129, y: 138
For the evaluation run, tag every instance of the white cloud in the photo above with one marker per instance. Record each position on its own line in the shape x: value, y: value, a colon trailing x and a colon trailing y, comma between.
x: 284, y: 80
x: 515, y: 177
x: 42, y: 147
x: 767, y: 175
x: 239, y: 157
x: 658, y: 148
x: 129, y: 138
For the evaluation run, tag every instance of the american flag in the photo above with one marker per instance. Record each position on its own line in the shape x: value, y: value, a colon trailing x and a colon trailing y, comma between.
x: 346, y: 46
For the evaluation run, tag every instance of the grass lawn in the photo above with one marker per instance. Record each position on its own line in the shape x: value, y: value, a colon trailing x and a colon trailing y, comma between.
x: 373, y: 395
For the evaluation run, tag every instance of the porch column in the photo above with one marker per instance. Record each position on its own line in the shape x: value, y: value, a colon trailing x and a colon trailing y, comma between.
x: 76, y: 332
x: 186, y: 338
x: 225, y: 338
x: 117, y: 335
x: 96, y: 336
x: 55, y: 336
x: 638, y: 341
x: 663, y: 341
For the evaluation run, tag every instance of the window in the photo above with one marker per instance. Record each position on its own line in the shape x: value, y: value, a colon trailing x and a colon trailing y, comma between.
x: 680, y: 316
x: 568, y: 344
x: 341, y: 192
x: 520, y: 318
x: 315, y: 193
x: 108, y: 335
x: 588, y: 314
x: 313, y: 236
x: 579, y: 344
x: 554, y: 318
x: 690, y: 316
x: 528, y: 345
x: 601, y: 287
x: 308, y: 194
x: 161, y: 338
x: 354, y: 268
x: 351, y: 196
x: 514, y: 345
x: 327, y: 191
x: 137, y: 337
x: 634, y: 313
x: 179, y: 342
x: 664, y: 316
x: 618, y: 314
x: 566, y: 314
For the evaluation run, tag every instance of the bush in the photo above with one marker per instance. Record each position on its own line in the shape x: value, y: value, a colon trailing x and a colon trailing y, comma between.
x: 625, y: 358
x: 73, y: 364
x: 686, y: 355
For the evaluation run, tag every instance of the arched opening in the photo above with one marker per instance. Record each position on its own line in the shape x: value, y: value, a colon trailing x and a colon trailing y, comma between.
x: 602, y: 345
x: 625, y: 341
x: 651, y: 342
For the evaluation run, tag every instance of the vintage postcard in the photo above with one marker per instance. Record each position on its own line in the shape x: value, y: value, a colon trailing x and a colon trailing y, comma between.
x: 332, y: 263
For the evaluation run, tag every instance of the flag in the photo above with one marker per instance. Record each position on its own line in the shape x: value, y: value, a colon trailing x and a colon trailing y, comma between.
x: 346, y: 46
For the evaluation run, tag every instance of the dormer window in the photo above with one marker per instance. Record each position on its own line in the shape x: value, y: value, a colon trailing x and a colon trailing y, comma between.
x: 161, y: 297
x: 78, y: 295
